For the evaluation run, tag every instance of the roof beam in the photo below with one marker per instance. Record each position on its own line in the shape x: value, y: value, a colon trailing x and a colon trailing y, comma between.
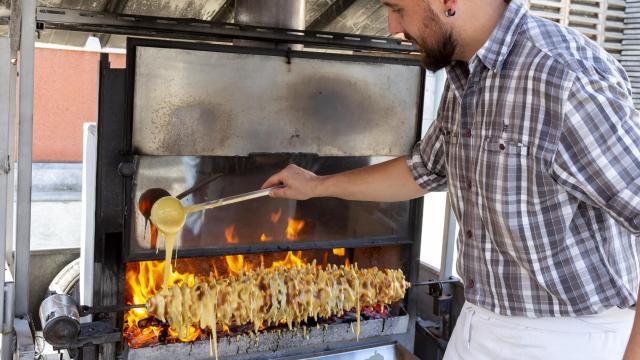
x: 149, y: 26
x: 112, y: 7
x: 331, y: 13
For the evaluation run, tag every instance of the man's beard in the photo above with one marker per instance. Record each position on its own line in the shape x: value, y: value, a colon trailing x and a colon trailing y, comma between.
x: 440, y: 54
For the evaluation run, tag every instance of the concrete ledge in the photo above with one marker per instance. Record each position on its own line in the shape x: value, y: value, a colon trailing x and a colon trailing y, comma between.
x: 57, y: 182
x: 272, y: 342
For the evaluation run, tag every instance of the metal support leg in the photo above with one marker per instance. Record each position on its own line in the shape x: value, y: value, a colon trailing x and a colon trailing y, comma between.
x: 6, y: 160
x: 23, y: 212
x: 14, y: 39
x: 7, y: 134
x: 25, y: 345
x: 8, y: 73
x: 8, y: 336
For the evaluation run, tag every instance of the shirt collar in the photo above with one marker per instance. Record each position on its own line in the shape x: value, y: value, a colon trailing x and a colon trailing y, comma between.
x: 495, y: 50
x: 458, y: 74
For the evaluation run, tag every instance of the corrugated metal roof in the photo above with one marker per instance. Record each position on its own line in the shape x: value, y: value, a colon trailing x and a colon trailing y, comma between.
x: 351, y: 16
x: 601, y: 20
x: 363, y: 17
x: 196, y: 9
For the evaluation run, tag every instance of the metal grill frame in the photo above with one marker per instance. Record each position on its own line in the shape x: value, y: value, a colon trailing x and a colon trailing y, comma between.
x: 116, y: 167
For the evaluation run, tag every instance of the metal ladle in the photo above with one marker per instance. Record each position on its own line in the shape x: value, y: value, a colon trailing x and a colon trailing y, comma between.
x: 169, y: 215
x: 150, y: 196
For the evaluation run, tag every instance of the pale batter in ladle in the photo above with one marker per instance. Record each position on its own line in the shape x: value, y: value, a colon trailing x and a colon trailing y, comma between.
x: 169, y: 215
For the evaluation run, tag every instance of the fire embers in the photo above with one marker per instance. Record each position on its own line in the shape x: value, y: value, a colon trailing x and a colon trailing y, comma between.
x: 268, y: 297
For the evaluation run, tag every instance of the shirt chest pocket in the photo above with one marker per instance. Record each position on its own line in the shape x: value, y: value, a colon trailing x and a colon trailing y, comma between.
x: 502, y: 173
x: 513, y: 190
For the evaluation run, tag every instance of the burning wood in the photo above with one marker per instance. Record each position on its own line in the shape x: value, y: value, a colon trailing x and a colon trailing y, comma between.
x: 267, y: 297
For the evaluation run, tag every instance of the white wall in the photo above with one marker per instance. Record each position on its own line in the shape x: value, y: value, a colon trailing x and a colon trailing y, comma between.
x: 434, y: 203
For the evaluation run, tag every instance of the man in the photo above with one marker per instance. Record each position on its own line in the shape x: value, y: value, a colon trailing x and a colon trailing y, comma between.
x: 538, y: 143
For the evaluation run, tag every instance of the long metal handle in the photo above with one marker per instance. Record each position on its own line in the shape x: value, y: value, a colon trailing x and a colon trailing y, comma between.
x: 451, y: 279
x: 87, y: 310
x: 197, y: 186
x: 231, y: 199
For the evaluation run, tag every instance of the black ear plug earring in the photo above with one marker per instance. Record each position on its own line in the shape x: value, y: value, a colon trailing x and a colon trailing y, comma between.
x: 449, y: 13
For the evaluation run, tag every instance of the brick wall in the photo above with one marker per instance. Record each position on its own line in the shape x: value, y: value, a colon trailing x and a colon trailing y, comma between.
x: 65, y: 96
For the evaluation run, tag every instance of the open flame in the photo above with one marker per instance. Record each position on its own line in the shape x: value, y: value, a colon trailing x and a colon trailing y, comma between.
x: 236, y: 264
x: 145, y: 279
x: 290, y: 261
x: 292, y: 232
x: 230, y: 236
x: 275, y: 217
x: 338, y: 251
x: 194, y: 334
x: 293, y: 228
x: 265, y: 238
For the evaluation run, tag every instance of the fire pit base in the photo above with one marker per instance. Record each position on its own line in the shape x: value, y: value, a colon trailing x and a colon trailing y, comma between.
x: 274, y: 341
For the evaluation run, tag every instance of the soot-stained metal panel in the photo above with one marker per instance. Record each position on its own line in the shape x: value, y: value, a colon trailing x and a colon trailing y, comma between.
x: 192, y: 102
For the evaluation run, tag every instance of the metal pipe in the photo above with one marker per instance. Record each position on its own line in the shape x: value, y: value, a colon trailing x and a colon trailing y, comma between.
x: 8, y: 76
x: 6, y: 164
x: 25, y: 140
x: 11, y: 145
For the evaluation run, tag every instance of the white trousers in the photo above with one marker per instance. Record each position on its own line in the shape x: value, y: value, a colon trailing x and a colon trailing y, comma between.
x: 480, y: 334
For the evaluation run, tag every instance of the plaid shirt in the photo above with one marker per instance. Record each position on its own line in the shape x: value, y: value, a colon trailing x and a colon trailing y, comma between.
x: 538, y: 143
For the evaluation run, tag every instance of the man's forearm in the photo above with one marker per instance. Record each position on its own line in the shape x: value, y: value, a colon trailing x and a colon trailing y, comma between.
x: 633, y: 347
x: 387, y: 181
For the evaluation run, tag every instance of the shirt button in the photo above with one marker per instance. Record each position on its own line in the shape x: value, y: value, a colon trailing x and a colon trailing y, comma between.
x: 468, y: 133
x: 469, y: 233
x: 501, y: 147
x: 471, y: 284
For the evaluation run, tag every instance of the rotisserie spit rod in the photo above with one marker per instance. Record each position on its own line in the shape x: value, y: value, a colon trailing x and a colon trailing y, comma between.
x: 272, y: 296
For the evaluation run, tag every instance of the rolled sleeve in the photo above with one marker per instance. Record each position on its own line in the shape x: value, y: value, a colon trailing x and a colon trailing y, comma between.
x: 427, y: 161
x: 598, y: 153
